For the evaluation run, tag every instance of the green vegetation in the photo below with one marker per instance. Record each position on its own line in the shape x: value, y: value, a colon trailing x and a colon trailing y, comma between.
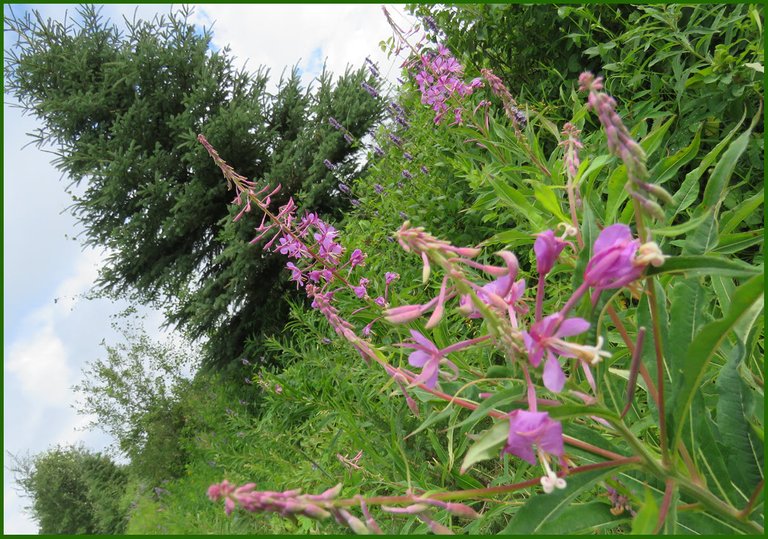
x: 291, y: 406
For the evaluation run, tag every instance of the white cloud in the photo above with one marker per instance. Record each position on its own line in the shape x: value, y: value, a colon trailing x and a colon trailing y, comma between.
x: 86, y: 271
x: 40, y: 364
x: 15, y: 521
x: 279, y: 36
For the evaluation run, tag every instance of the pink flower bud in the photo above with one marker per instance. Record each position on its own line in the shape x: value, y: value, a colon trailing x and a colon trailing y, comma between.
x: 403, y: 314
x: 461, y: 510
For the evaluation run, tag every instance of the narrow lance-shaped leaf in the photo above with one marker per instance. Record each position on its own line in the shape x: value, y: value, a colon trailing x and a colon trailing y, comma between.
x: 688, y: 370
x: 544, y: 510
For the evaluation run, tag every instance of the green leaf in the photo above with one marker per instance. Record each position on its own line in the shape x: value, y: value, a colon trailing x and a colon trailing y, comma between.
x: 646, y: 518
x: 704, y: 265
x: 433, y: 418
x: 714, y: 192
x: 704, y: 237
x: 689, y: 190
x: 689, y: 368
x: 687, y: 301
x: 581, y: 519
x: 541, y: 509
x: 513, y: 238
x: 676, y: 230
x: 668, y: 166
x: 545, y: 194
x: 735, y: 217
x: 488, y: 446
x: 516, y: 200
x: 733, y: 243
x: 566, y: 411
x: 703, y: 523
x: 743, y: 448
x: 501, y: 398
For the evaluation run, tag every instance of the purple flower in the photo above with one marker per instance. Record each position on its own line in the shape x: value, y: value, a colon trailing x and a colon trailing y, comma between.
x: 378, y: 151
x: 296, y: 274
x: 378, y: 188
x: 403, y: 215
x: 394, y: 138
x: 348, y: 138
x: 408, y: 156
x: 354, y: 202
x: 360, y: 291
x: 427, y: 356
x: 406, y: 174
x: 357, y: 258
x: 547, y: 248
x: 329, y: 165
x: 529, y: 429
x: 334, y: 123
x: 390, y: 276
x: 380, y: 301
x: 546, y: 336
x: 424, y: 169
x: 613, y: 260
x: 290, y: 246
x: 344, y: 188
x: 370, y: 89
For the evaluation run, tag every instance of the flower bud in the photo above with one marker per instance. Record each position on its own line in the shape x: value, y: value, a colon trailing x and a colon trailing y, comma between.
x: 461, y: 510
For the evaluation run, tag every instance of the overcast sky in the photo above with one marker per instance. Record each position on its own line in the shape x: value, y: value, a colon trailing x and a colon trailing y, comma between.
x: 47, y: 342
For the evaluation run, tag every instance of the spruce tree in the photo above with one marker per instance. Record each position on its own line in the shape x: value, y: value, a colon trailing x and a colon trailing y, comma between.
x: 122, y: 110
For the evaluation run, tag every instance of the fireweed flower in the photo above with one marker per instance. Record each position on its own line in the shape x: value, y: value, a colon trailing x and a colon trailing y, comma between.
x: 535, y: 429
x: 296, y: 274
x: 547, y: 248
x: 360, y: 291
x: 614, y: 262
x: 440, y: 79
x: 427, y: 356
x: 546, y: 337
x: 357, y: 258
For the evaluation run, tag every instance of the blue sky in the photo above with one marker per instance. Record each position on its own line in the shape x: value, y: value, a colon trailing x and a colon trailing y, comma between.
x: 47, y: 342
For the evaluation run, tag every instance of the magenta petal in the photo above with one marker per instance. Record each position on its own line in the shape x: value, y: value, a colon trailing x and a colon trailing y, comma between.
x: 551, y: 440
x: 534, y: 352
x: 554, y: 377
x: 418, y: 358
x: 428, y: 375
x: 612, y: 235
x: 422, y: 340
x: 572, y: 326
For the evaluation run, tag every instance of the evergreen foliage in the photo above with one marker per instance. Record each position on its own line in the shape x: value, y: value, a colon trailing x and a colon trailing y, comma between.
x: 122, y: 112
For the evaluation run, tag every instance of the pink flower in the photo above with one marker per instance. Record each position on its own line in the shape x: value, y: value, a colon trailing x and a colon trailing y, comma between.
x: 296, y: 274
x: 529, y: 429
x: 360, y: 291
x: 390, y: 276
x: 546, y: 337
x: 427, y: 356
x: 613, y: 262
x: 547, y: 248
x: 357, y: 258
